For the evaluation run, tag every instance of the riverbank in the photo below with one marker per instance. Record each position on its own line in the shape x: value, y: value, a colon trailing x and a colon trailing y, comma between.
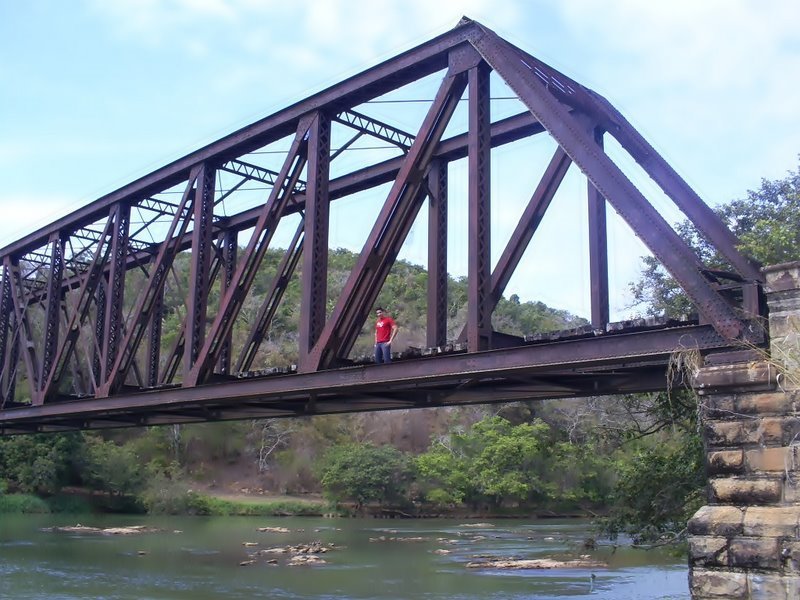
x: 193, y: 503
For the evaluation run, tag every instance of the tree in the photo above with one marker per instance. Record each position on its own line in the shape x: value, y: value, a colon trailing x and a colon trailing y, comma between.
x: 659, y: 490
x: 40, y: 463
x: 363, y: 473
x: 111, y: 467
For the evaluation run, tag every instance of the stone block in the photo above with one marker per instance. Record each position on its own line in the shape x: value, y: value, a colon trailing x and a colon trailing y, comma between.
x: 754, y: 553
x: 769, y: 403
x: 772, y: 586
x: 791, y: 488
x: 725, y: 461
x: 790, y: 555
x: 725, y: 433
x: 724, y: 521
x: 755, y: 375
x: 783, y: 277
x: 736, y: 490
x: 707, y: 551
x: 716, y: 406
x: 705, y: 583
x: 772, y: 521
x: 770, y: 459
x: 778, y: 431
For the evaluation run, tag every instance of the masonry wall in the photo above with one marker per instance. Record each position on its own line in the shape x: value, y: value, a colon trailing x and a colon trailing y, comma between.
x: 746, y: 542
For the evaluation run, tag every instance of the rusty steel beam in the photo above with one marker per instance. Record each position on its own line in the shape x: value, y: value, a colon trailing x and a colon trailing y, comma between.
x: 53, y: 308
x: 555, y: 363
x: 256, y: 173
x: 676, y: 188
x: 375, y: 128
x: 598, y: 250
x: 7, y: 341
x: 23, y: 328
x: 528, y: 223
x: 479, y: 320
x: 229, y: 255
x: 436, y: 330
x: 154, y: 339
x: 200, y: 268
x: 114, y: 298
x: 314, y: 283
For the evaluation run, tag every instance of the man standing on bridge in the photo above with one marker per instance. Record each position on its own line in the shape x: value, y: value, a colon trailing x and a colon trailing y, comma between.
x: 385, y: 331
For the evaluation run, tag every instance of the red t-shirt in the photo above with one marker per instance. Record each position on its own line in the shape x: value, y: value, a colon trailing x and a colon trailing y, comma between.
x: 383, y: 329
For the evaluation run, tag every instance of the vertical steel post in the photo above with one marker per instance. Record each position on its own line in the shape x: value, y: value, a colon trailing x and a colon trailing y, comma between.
x: 479, y: 325
x: 114, y: 297
x: 598, y: 249
x: 199, y: 284
x: 99, y: 329
x: 437, y: 254
x: 5, y: 314
x: 154, y: 340
x: 230, y: 250
x: 314, y: 283
x: 53, y: 309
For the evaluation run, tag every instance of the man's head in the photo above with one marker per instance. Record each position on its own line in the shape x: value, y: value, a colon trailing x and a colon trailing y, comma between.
x: 379, y: 312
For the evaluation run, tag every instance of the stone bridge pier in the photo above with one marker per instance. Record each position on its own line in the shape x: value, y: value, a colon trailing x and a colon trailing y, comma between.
x: 746, y: 542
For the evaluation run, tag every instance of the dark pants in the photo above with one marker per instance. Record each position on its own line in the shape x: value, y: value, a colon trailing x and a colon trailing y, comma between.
x: 383, y: 352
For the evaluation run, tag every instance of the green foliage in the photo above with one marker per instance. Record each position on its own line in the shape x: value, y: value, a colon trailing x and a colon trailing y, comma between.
x: 659, y: 488
x: 363, y: 473
x: 40, y: 463
x: 111, y: 467
x: 167, y: 497
x: 200, y: 504
x: 70, y: 504
x: 497, y: 463
x: 23, y: 503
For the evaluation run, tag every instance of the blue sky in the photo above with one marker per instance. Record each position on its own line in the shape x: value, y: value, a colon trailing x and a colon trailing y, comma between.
x: 95, y: 93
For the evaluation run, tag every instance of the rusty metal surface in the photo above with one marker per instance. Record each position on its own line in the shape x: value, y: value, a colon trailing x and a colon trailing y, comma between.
x: 614, y: 363
x: 85, y: 299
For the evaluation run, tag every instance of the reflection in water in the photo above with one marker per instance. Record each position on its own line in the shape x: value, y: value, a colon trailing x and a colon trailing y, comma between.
x: 199, y: 558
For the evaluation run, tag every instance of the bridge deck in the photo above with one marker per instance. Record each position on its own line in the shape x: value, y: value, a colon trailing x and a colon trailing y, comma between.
x: 628, y: 360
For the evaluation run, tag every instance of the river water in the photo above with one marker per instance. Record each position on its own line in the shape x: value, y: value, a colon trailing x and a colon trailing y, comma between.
x: 199, y: 558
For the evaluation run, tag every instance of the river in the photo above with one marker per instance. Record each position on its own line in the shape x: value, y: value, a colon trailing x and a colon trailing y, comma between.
x: 199, y: 558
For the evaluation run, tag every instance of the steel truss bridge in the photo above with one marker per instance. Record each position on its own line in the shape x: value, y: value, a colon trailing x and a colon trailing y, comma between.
x: 82, y: 313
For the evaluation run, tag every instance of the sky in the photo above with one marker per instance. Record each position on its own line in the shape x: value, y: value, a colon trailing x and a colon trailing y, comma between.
x: 94, y: 94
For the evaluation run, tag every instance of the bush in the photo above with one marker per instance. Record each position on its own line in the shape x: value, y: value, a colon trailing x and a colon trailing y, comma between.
x: 166, y: 497
x: 23, y: 503
x: 363, y: 473
x: 69, y: 503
